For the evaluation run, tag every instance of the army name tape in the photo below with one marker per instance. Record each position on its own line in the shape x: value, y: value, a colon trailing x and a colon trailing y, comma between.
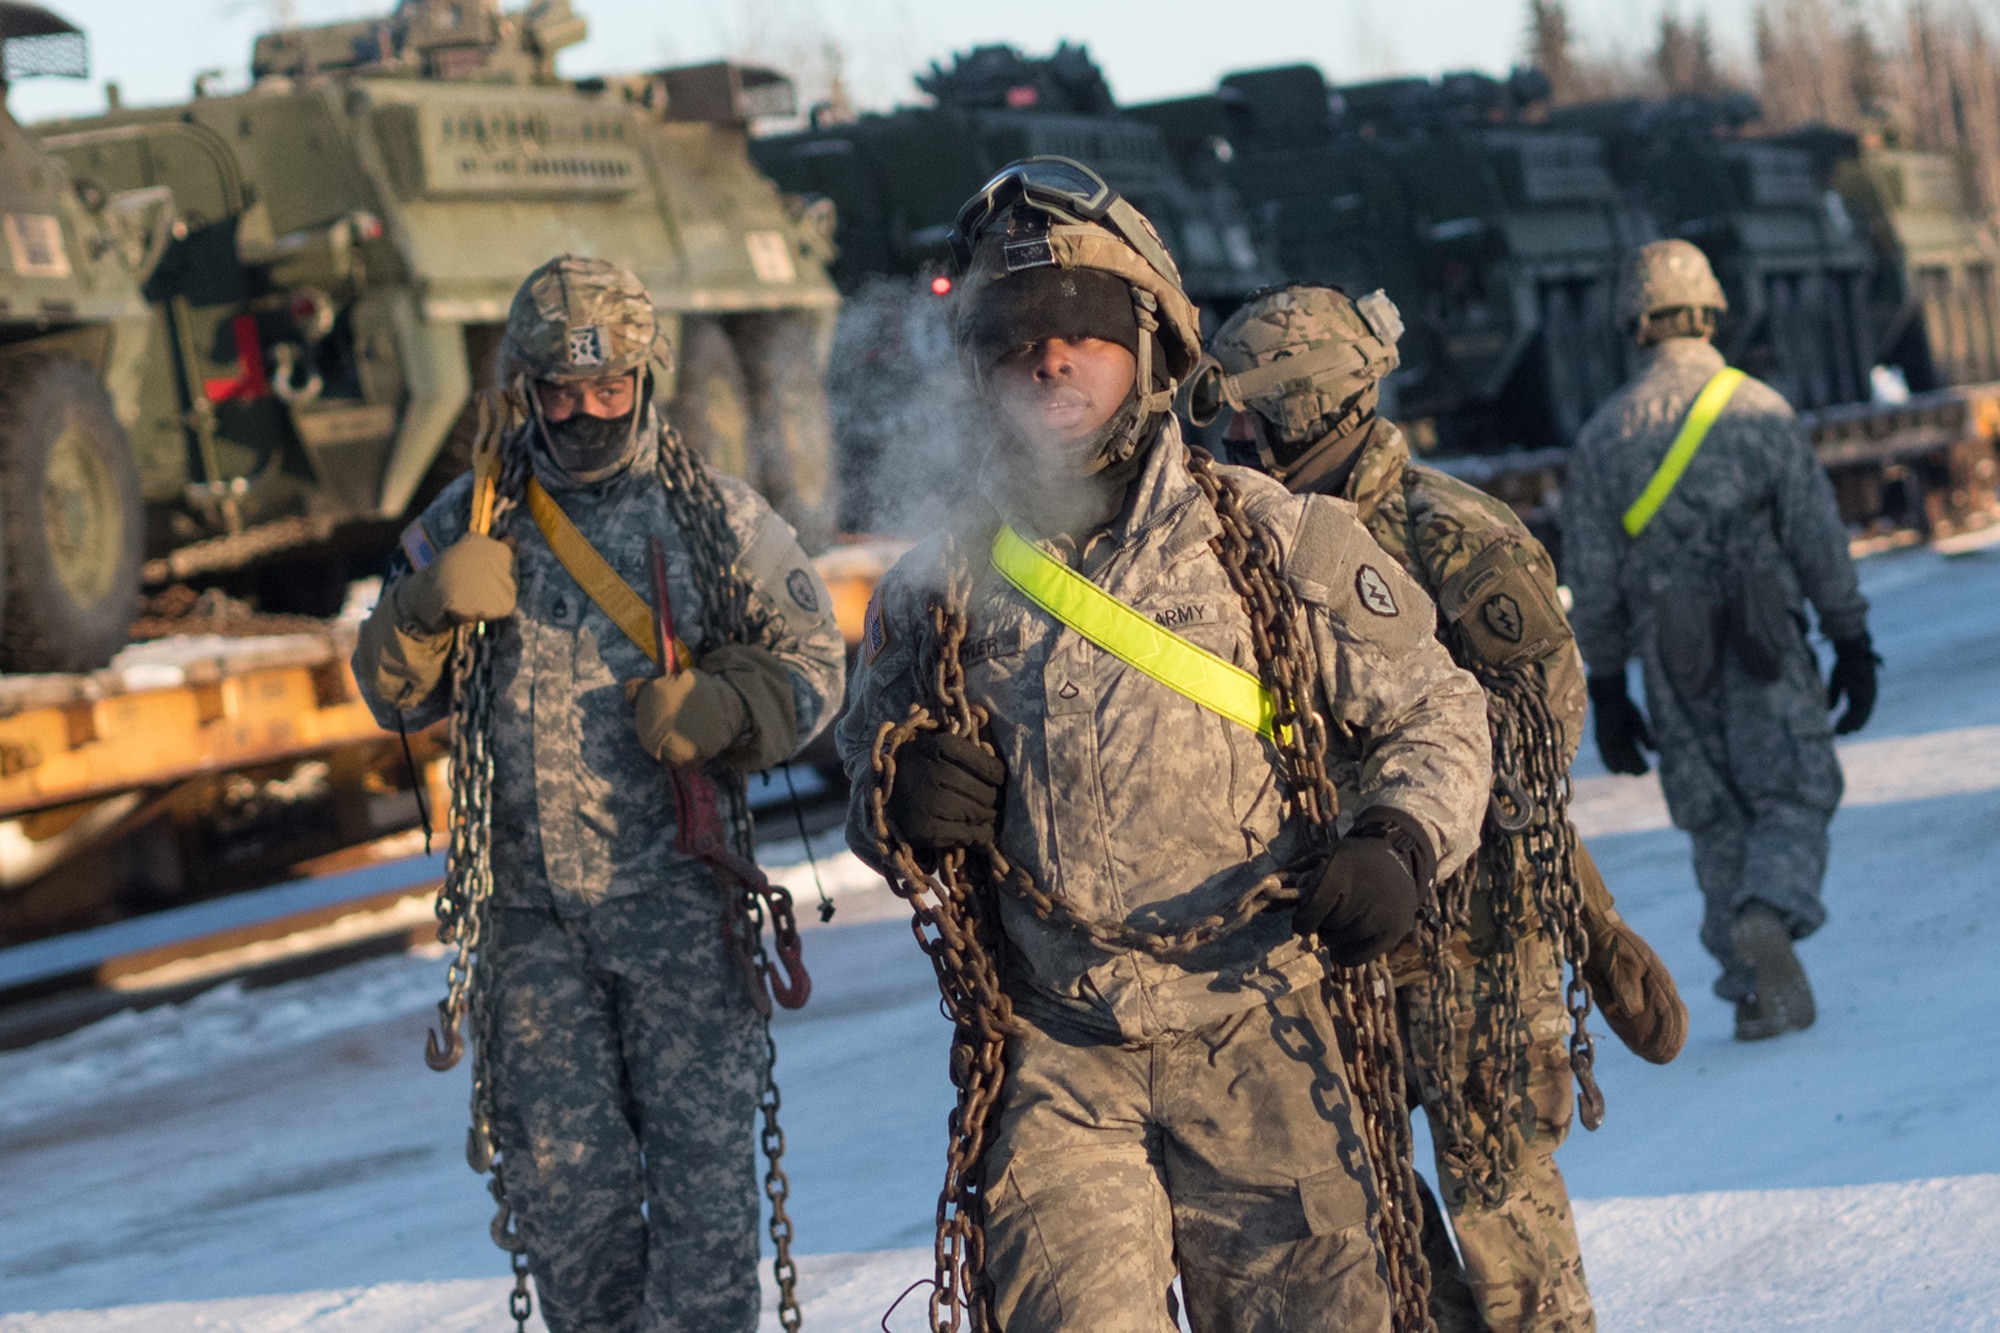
x: 1134, y: 639
x: 1708, y: 405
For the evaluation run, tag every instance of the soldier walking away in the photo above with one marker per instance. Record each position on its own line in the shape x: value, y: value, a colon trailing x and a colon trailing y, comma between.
x: 1490, y: 1033
x: 1696, y: 525
x: 1174, y: 1047
x: 619, y: 1057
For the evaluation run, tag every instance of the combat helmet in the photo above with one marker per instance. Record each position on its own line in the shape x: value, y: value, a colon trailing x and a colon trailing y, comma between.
x: 578, y: 318
x: 1303, y: 358
x: 1055, y: 213
x: 1665, y: 276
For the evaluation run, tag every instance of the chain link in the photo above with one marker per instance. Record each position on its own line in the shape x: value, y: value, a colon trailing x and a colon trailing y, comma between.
x: 1525, y: 871
x: 954, y: 919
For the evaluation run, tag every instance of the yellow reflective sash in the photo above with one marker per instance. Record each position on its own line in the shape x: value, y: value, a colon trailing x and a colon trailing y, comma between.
x: 1708, y: 405
x: 594, y: 574
x: 1185, y: 668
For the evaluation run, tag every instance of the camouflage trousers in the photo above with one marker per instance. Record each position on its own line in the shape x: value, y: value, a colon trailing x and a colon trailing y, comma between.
x: 1750, y: 773
x: 1522, y: 1269
x: 1230, y: 1154
x: 625, y: 1063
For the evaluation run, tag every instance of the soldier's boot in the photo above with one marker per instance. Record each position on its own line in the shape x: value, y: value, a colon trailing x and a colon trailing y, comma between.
x: 1783, y: 999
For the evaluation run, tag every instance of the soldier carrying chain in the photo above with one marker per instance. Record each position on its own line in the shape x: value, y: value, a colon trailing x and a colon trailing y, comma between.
x: 1301, y: 367
x: 1155, y: 989
x: 619, y: 1059
x: 1696, y: 526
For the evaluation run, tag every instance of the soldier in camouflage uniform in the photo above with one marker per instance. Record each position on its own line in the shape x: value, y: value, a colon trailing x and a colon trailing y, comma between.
x: 1187, y: 1112
x: 1300, y: 366
x: 1710, y: 597
x: 622, y: 1047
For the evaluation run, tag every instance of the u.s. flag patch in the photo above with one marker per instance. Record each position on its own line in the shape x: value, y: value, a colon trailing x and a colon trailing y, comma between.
x: 874, y: 629
x: 417, y: 546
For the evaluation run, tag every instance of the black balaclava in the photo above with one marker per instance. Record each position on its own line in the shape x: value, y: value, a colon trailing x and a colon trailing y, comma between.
x: 588, y: 448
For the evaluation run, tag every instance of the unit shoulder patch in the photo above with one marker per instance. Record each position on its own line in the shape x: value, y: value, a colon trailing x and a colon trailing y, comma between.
x: 800, y: 585
x: 1502, y: 615
x: 1373, y: 590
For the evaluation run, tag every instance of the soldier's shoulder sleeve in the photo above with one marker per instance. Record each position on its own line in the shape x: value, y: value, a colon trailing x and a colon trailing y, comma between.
x: 790, y: 591
x: 1807, y: 516
x: 1495, y: 584
x: 885, y: 680
x: 1338, y: 569
x: 443, y: 521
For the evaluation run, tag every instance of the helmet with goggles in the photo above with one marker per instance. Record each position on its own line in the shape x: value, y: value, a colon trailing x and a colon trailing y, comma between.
x: 1302, y: 358
x: 577, y: 319
x: 1044, y: 215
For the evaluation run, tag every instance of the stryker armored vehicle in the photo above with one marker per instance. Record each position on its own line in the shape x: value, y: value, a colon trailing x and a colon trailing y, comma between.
x: 350, y: 231
x: 73, y: 338
x: 896, y: 180
x: 1497, y: 239
x: 1790, y: 255
x: 1934, y: 309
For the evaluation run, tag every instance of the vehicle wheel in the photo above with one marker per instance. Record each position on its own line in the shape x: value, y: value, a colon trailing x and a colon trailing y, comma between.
x: 69, y: 491
x: 791, y: 440
x: 712, y: 409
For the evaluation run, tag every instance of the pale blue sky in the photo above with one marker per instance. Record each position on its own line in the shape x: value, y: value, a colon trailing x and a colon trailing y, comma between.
x: 1149, y: 48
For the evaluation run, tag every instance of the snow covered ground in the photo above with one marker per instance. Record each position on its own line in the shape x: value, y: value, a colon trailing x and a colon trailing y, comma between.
x: 281, y: 1159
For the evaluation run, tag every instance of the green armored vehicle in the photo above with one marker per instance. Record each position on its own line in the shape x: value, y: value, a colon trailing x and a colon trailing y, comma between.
x: 350, y: 232
x: 1498, y: 240
x: 896, y: 179
x: 1932, y: 297
x: 73, y: 336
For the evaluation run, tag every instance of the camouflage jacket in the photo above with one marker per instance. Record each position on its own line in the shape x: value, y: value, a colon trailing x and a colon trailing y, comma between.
x: 1112, y: 777
x: 1754, y: 497
x: 1494, y: 584
x: 580, y: 812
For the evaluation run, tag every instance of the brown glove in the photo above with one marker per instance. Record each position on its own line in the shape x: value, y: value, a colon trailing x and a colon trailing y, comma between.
x: 472, y: 579
x: 398, y: 666
x: 736, y: 706
x: 1631, y: 986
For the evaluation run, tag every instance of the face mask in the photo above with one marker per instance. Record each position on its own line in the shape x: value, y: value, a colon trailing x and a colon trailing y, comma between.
x: 585, y: 446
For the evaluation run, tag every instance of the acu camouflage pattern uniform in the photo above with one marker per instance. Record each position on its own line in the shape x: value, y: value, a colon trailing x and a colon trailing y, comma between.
x: 1185, y: 1115
x: 1747, y: 764
x: 1495, y: 587
x: 625, y: 1056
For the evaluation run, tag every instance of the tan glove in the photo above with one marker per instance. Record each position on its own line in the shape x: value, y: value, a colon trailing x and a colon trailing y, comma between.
x: 1631, y: 985
x: 472, y: 579
x: 736, y: 706
x: 398, y: 666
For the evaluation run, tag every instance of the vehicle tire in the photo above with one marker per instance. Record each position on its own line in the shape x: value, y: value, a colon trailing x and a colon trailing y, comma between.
x: 791, y: 439
x: 712, y: 408
x: 70, y: 513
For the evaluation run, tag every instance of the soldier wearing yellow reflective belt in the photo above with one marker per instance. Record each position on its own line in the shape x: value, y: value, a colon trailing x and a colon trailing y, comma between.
x: 1696, y: 526
x: 1165, y: 1111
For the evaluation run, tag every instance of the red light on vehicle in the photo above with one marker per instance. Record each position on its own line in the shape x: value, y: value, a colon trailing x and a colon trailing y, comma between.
x: 940, y: 285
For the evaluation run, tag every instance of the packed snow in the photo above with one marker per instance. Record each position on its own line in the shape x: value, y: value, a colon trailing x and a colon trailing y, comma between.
x: 281, y: 1159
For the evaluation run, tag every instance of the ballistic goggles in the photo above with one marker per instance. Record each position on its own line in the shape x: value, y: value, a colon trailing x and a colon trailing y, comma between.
x: 1064, y: 190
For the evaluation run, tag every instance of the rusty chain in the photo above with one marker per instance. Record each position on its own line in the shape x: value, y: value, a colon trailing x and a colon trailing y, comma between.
x: 955, y: 921
x: 1525, y: 872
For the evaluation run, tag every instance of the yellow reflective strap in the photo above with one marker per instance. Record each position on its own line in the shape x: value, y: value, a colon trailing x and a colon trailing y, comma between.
x: 594, y: 574
x: 1708, y: 405
x: 1185, y: 668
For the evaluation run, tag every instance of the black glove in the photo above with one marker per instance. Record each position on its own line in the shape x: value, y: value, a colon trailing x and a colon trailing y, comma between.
x: 947, y: 792
x: 1854, y: 663
x: 1621, y: 727
x: 1368, y: 893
